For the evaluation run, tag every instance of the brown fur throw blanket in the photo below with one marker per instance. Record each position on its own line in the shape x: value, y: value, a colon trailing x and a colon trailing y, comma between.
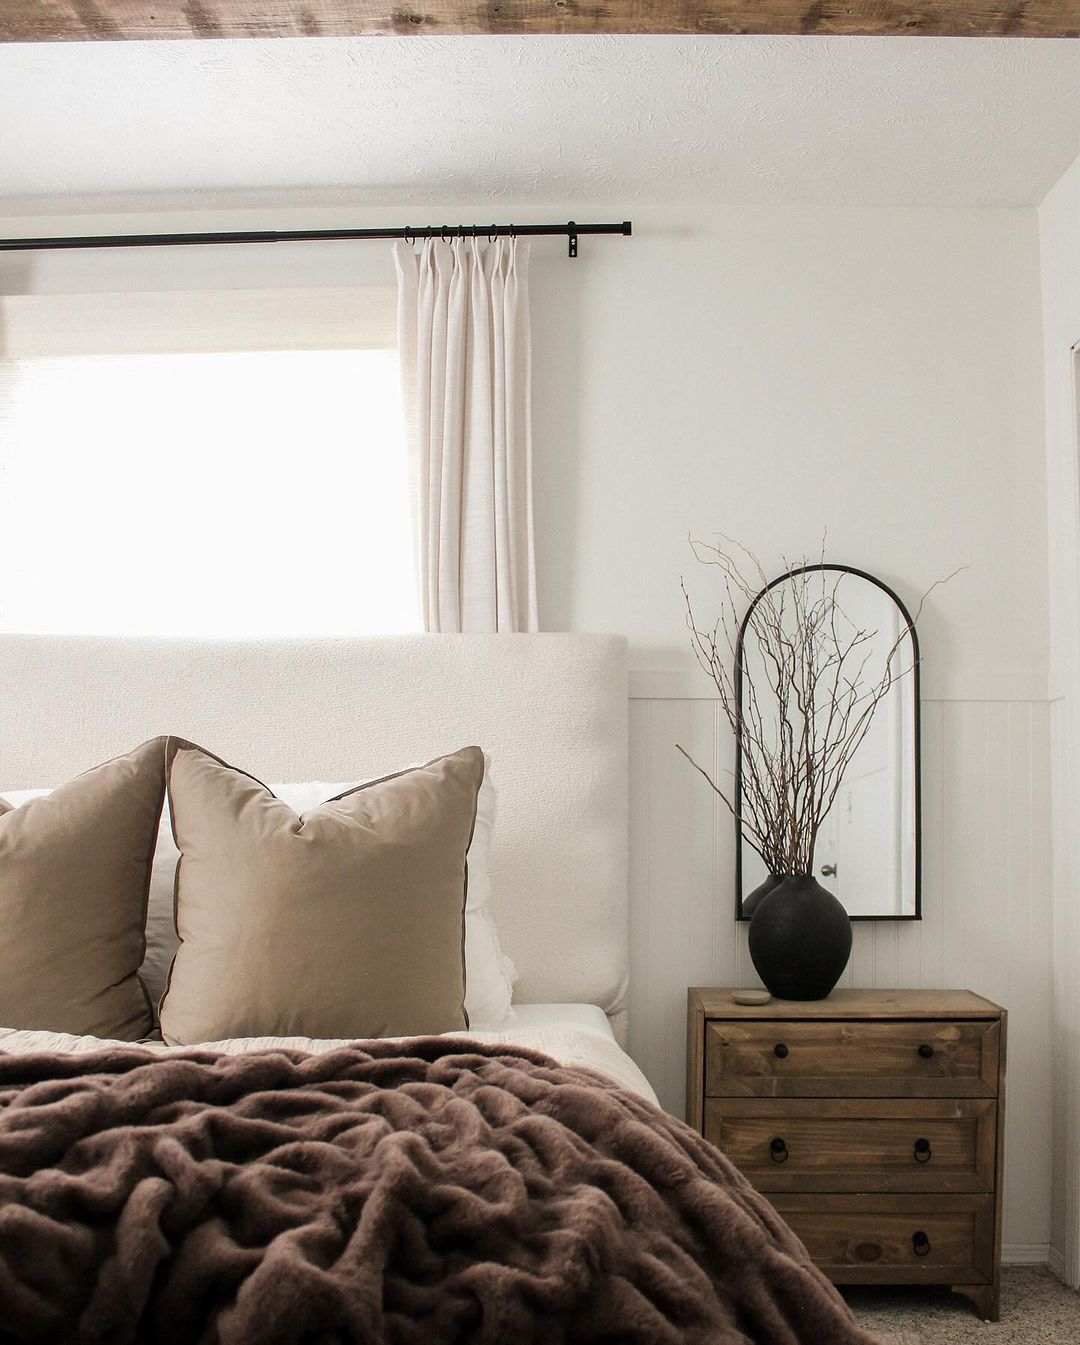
x: 418, y: 1193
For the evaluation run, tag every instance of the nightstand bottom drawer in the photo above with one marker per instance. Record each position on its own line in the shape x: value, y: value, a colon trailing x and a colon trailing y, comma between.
x: 895, y: 1239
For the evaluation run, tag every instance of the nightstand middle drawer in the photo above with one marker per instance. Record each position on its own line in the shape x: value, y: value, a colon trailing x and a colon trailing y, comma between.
x: 857, y: 1144
x: 842, y: 1058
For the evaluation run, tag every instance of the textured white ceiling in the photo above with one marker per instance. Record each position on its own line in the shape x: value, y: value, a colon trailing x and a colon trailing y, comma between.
x: 743, y: 119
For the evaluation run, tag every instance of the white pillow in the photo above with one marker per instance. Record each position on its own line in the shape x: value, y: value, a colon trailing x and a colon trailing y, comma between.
x: 489, y: 973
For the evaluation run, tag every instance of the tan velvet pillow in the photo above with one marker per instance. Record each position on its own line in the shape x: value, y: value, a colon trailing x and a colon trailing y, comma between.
x: 346, y: 922
x: 74, y: 878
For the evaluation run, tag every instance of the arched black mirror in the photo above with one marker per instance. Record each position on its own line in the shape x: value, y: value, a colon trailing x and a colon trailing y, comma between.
x: 831, y: 653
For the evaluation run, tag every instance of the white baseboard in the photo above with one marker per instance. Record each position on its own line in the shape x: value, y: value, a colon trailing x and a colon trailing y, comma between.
x: 1026, y: 1254
x: 1056, y: 1262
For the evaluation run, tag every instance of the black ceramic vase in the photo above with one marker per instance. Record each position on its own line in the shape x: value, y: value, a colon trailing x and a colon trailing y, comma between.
x: 800, y: 939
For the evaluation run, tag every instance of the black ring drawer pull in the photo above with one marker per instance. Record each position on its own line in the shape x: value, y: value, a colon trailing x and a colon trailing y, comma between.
x: 921, y: 1244
x: 923, y: 1152
x: 926, y: 1051
x: 780, y: 1051
x: 778, y: 1150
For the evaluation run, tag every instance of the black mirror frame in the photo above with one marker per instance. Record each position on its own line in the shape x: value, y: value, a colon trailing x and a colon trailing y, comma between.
x: 917, y: 730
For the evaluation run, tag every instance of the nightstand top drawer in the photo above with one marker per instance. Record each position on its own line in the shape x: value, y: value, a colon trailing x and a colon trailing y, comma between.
x: 850, y: 1058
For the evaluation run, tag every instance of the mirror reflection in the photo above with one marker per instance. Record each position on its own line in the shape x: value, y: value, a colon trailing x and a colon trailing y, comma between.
x: 867, y: 851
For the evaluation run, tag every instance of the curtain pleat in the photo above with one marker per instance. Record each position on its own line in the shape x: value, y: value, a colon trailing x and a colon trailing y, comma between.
x: 464, y: 343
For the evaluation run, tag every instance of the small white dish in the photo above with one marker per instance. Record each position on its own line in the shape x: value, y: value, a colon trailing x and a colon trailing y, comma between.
x: 751, y: 996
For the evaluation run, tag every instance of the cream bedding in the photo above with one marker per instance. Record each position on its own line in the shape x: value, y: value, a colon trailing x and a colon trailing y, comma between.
x: 573, y: 1034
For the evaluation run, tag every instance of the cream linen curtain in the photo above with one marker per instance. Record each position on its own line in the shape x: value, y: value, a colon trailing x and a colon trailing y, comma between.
x: 463, y: 338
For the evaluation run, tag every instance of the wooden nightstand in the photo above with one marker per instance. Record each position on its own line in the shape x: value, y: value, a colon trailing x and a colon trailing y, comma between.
x: 873, y: 1120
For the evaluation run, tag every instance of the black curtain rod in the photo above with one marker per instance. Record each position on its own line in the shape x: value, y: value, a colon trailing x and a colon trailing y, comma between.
x: 570, y: 230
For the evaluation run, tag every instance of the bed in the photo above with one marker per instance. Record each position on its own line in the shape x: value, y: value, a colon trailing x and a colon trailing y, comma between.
x: 514, y: 1182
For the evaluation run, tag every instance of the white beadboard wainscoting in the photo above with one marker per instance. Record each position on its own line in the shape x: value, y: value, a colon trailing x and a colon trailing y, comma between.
x: 985, y: 897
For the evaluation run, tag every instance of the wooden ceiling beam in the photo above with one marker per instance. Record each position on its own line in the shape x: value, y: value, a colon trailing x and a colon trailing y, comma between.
x: 82, y: 20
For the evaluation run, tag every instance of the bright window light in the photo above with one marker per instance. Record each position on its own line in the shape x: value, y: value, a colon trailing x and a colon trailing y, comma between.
x: 240, y: 494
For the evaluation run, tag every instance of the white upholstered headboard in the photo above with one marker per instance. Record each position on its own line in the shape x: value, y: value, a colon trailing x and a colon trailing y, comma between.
x: 550, y: 709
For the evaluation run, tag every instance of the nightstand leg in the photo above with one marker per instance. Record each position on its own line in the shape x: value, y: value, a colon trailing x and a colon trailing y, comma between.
x: 986, y: 1297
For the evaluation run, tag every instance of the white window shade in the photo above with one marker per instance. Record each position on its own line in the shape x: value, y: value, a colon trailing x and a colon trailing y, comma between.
x: 168, y: 322
x: 223, y: 463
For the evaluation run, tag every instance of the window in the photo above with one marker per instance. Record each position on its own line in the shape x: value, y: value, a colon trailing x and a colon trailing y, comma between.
x: 157, y: 487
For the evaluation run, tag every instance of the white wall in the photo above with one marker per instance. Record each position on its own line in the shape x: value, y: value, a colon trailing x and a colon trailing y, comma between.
x: 771, y: 374
x: 1059, y: 225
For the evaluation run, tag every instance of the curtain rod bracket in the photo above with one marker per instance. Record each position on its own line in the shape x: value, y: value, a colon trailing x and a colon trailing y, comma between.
x: 571, y: 236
